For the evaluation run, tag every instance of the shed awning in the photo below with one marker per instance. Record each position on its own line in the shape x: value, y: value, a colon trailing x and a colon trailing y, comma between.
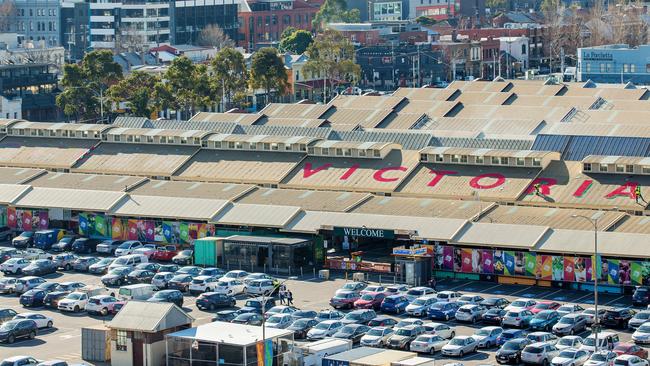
x: 500, y: 235
x: 11, y: 192
x: 169, y: 207
x: 71, y: 199
x: 614, y: 244
x: 244, y: 214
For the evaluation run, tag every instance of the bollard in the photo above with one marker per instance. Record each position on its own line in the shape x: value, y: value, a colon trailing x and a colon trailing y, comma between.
x: 301, y: 274
x: 240, y: 264
x: 314, y: 272
x: 228, y: 263
x: 380, y: 279
x: 264, y: 267
x: 289, y: 270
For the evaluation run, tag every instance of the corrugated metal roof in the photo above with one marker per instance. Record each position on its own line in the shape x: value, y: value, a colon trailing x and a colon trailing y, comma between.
x: 19, y: 175
x: 320, y: 132
x: 582, y: 242
x: 130, y: 122
x: 10, y: 192
x: 504, y: 144
x: 142, y: 122
x: 557, y: 143
x: 578, y: 147
x: 244, y: 214
x: 72, y: 199
x: 501, y: 235
x: 150, y: 317
x: 408, y: 140
x: 168, y: 207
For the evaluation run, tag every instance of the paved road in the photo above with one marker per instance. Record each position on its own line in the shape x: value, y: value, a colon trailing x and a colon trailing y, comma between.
x: 64, y: 341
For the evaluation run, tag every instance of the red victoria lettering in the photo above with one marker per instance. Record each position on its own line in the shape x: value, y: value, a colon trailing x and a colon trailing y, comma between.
x: 438, y: 174
x: 583, y: 188
x: 500, y: 179
x: 626, y: 189
x: 379, y: 174
x: 545, y: 185
x: 349, y: 172
x: 308, y: 171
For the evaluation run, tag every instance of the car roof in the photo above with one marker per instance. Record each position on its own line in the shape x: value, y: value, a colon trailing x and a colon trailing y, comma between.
x: 16, y: 358
x: 512, y: 331
x: 538, y: 333
x: 491, y: 327
x: 625, y: 357
x: 538, y: 344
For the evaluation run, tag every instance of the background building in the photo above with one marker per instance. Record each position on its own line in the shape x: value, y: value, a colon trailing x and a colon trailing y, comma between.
x: 28, y: 91
x: 617, y: 63
x: 38, y: 20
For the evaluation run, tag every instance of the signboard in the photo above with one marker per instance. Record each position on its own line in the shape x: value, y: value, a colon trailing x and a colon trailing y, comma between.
x: 410, y: 252
x: 362, y: 232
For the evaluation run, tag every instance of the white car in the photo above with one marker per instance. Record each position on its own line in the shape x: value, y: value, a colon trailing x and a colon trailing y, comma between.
x: 420, y: 291
x: 14, y: 265
x: 19, y: 361
x: 448, y: 296
x: 630, y: 360
x: 257, y: 276
x: 470, y: 299
x: 27, y: 283
x: 520, y: 304
x: 460, y: 346
x: 34, y: 254
x: 570, y: 357
x: 408, y: 321
x: 642, y: 334
x: 236, y: 274
x: 569, y: 309
x: 279, y: 321
x: 127, y: 247
x: 470, y: 313
x: 260, y: 287
x: 376, y: 337
x: 7, y: 285
x: 372, y: 288
x: 591, y: 314
x: 324, y: 329
x: 487, y: 336
x: 569, y: 342
x: 101, y: 304
x: 147, y: 250
x: 75, y: 301
x: 443, y: 330
x: 396, y: 290
x: 427, y: 343
x: 202, y: 284
x: 42, y: 321
x: 539, y: 353
x: 419, y: 306
x: 601, y: 358
x: 229, y: 286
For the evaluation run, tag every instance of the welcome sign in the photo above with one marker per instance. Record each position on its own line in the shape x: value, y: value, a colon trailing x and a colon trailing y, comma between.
x: 362, y: 232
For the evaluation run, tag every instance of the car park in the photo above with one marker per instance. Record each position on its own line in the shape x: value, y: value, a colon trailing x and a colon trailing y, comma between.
x: 324, y: 329
x: 495, y: 302
x: 630, y: 349
x: 64, y: 244
x: 569, y: 342
x: 83, y: 264
x: 32, y: 298
x: 427, y: 343
x: 470, y: 313
x: 353, y: 332
x: 344, y: 299
x: 570, y: 357
x: 419, y: 306
x: 545, y: 305
x: 64, y: 260
x: 376, y: 337
x: 23, y: 240
x: 618, y: 317
x: 460, y: 346
x: 249, y: 319
x: 101, y: 304
x: 116, y: 276
x: 12, y: 330
x: 521, y: 304
x: 601, y: 358
x: 212, y: 300
x: 394, y: 304
x: 403, y: 336
x: 487, y: 336
x: 382, y: 321
x: 359, y: 316
x: 442, y: 310
x: 101, y: 266
x: 630, y: 360
x: 517, y: 318
x: 184, y: 257
x: 542, y: 337
x: 27, y: 283
x: 539, y: 354
x: 448, y: 296
x: 443, y: 330
x: 8, y: 285
x: 85, y: 245
x: 127, y: 247
x: 40, y: 267
x: 172, y: 296
x: 416, y: 292
x: 14, y: 266
x: 511, y: 350
x: 544, y: 320
x: 570, y: 324
x: 569, y: 308
x: 165, y: 253
x: 41, y: 320
x: 509, y: 334
x: 108, y: 247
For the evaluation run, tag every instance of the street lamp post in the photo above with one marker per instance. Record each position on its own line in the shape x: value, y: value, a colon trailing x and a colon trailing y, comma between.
x: 266, y: 298
x: 594, y: 223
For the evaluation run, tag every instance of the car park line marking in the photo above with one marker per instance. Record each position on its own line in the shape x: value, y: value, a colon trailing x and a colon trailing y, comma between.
x: 616, y: 299
x: 553, y: 293
x: 520, y: 291
x: 472, y: 356
x: 459, y: 286
x: 70, y: 336
x: 491, y: 288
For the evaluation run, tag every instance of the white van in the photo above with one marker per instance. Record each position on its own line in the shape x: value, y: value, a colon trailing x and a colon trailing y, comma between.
x: 129, y: 260
x: 139, y: 291
x: 606, y: 341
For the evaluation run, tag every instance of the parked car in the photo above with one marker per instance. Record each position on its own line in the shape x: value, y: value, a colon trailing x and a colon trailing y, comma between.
x: 70, y: 286
x: 251, y: 277
x: 32, y: 298
x: 416, y: 292
x: 419, y: 306
x: 75, y: 301
x: 108, y: 247
x: 16, y: 329
x: 8, y: 285
x: 353, y: 332
x: 64, y: 244
x: 14, y: 266
x: 230, y: 286
x: 34, y: 254
x: 402, y: 337
x: 149, y: 266
x: 304, y: 314
x: 427, y: 343
x: 180, y: 282
x: 396, y: 290
x: 569, y: 308
x: 544, y: 320
x: 517, y: 318
x: 260, y: 287
x: 545, y: 305
x: 394, y: 304
x: 511, y: 350
x: 7, y: 314
x: 173, y: 296
x: 569, y: 342
x: 376, y: 337
x: 630, y: 360
x: 280, y: 321
x: 42, y: 321
x: 140, y: 276
x: 190, y: 270
x: 642, y: 334
x: 521, y: 304
x: 542, y: 337
x: 258, y: 304
x: 184, y: 257
x: 329, y: 315
x: 23, y: 240
x: 83, y: 264
x: 591, y: 314
x: 487, y: 336
x: 470, y: 299
x: 64, y: 260
x: 443, y: 330
x: 344, y: 299
x: 570, y: 357
x: 300, y: 327
x: 146, y: 249
x: 165, y: 253
x: 460, y: 346
x: 324, y: 329
x: 448, y: 296
x: 52, y: 299
x: 630, y: 349
x: 101, y: 266
x: 117, y: 276
x: 225, y: 316
x: 84, y: 245
x: 249, y: 319
x: 570, y: 324
x: 539, y: 354
x: 494, y: 316
x: 202, y: 284
x: 495, y: 302
x: 20, y: 361
x: 27, y: 283
x: 169, y: 268
x: 618, y: 317
x: 212, y: 300
x: 352, y: 287
x: 8, y: 253
x: 279, y: 309
x: 382, y: 321
x: 409, y: 321
x: 359, y: 316
x: 641, y: 296
x: 601, y: 358
x: 101, y: 304
x: 127, y: 247
x: 40, y: 267
x: 470, y: 313
x: 443, y: 310
x: 161, y: 279
x: 606, y: 340
x: 509, y: 334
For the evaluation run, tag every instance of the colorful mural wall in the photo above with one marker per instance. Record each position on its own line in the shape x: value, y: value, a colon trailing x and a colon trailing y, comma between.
x: 27, y: 220
x: 542, y: 266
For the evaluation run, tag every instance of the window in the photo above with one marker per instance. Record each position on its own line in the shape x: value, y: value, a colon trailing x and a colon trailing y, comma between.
x: 495, y: 160
x: 586, y: 167
x: 588, y: 67
x: 504, y: 160
x: 217, y: 144
x: 424, y: 157
x: 632, y: 68
x: 150, y: 139
x: 603, y: 168
x: 129, y: 138
x: 537, y: 162
x: 626, y: 68
x: 521, y: 161
x: 252, y: 145
x: 440, y: 158
x: 376, y: 153
x: 163, y: 139
x: 602, y: 67
x: 267, y: 146
x: 325, y: 151
x: 455, y: 158
x: 646, y: 170
x: 523, y: 49
x: 274, y: 146
x: 347, y: 152
x: 231, y: 144
x: 238, y: 145
x: 629, y: 168
x: 620, y: 168
x: 121, y: 341
x: 339, y: 152
x: 183, y: 140
x: 479, y: 160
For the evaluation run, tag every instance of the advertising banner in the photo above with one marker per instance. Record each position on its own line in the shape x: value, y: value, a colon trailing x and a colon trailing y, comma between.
x: 558, y: 268
x: 569, y: 269
x: 499, y: 263
x: 636, y: 273
x: 547, y: 267
x: 612, y: 271
x: 101, y: 228
x: 11, y: 217
x: 624, y: 273
x: 43, y: 220
x: 83, y: 224
x: 149, y: 230
x: 133, y: 229
x: 27, y: 220
x: 477, y: 260
x: 448, y: 258
x: 488, y: 261
x: 184, y: 232
x: 118, y: 230
x: 509, y: 261
x: 580, y: 269
x: 520, y: 269
x: 530, y: 259
x: 466, y: 260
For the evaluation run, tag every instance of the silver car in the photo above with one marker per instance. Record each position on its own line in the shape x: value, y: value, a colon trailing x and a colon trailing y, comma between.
x: 376, y: 337
x: 428, y: 343
x: 460, y: 346
x: 570, y: 324
x: 639, y: 318
x: 570, y: 357
x: 539, y: 354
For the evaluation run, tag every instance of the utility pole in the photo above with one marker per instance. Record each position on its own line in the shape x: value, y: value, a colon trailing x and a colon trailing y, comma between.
x: 561, y: 60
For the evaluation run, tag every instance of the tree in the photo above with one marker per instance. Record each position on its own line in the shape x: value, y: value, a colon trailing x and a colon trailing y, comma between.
x: 137, y: 91
x: 334, y: 11
x: 185, y: 86
x: 296, y: 42
x: 287, y: 32
x: 422, y: 20
x: 213, y: 36
x: 496, y: 4
x: 332, y: 57
x: 229, y: 77
x: 86, y: 83
x: 268, y: 72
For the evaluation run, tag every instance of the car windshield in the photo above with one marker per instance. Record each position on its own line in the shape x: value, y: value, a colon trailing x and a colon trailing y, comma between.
x: 125, y: 246
x: 349, y: 286
x: 642, y: 315
x: 543, y: 315
x: 27, y: 234
x: 620, y: 362
x: 493, y: 312
x: 599, y: 357
x: 404, y: 332
x: 424, y: 338
x: 565, y: 308
x: 566, y: 320
x: 512, y: 346
x: 531, y: 349
x: 565, y: 342
x: 323, y: 326
x: 347, y: 330
x: 368, y: 297
x: 353, y: 316
x: 588, y: 311
x: 438, y: 306
x: 375, y: 332
x: 300, y: 323
x: 8, y: 325
x: 223, y: 284
x: 518, y: 303
x: 419, y: 302
x: 644, y: 329
x: 568, y: 354
x: 75, y: 296
x: 185, y: 253
x: 482, y: 332
x: 457, y: 342
x: 390, y: 300
x: 543, y: 306
x: 414, y: 292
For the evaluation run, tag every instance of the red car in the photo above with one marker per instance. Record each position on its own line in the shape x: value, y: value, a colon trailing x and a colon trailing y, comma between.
x: 545, y: 305
x: 370, y: 300
x: 630, y: 349
x: 344, y: 299
x: 165, y: 253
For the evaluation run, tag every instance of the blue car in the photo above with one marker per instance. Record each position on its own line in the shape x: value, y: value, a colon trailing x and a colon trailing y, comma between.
x: 443, y: 310
x: 394, y: 304
x: 544, y: 320
x: 33, y: 297
x: 509, y: 334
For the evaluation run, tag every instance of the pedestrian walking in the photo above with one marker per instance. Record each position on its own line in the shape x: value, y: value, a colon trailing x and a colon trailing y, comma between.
x: 432, y: 283
x: 289, y: 297
x: 637, y: 194
x: 281, y: 296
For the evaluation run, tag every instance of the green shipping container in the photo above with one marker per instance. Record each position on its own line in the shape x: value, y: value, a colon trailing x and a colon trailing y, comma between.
x: 207, y: 251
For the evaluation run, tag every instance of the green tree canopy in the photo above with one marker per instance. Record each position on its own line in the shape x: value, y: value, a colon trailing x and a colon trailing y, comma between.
x: 296, y: 42
x: 185, y: 86
x: 332, y: 57
x: 137, y: 91
x: 335, y: 11
x: 268, y: 72
x: 425, y: 20
x: 229, y: 77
